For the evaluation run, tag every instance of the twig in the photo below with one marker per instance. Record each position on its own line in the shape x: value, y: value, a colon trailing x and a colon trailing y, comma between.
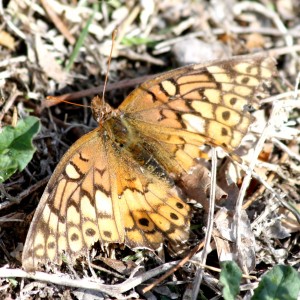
x: 10, y: 101
x: 241, y: 196
x: 257, y: 7
x: 174, y: 269
x: 97, y: 90
x: 113, y: 290
x: 10, y: 24
x: 196, y: 262
x: 127, y: 22
x: 210, y: 221
x: 12, y: 60
x: 21, y: 196
x: 286, y: 149
x: 58, y: 23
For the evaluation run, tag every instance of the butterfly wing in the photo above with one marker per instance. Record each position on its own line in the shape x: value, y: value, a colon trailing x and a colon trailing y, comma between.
x: 200, y: 104
x: 98, y: 193
x: 103, y: 190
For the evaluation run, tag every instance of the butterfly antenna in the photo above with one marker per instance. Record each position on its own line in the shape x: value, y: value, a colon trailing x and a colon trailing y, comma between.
x: 114, y: 34
x: 52, y: 100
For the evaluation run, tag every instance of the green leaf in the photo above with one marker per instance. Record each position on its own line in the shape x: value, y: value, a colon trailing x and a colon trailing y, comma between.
x: 230, y: 278
x: 16, y: 149
x: 280, y: 283
x: 13, y: 282
x: 136, y: 41
x: 80, y: 42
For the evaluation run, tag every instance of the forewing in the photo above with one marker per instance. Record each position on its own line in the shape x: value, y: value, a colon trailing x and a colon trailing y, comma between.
x: 77, y: 207
x: 198, y: 104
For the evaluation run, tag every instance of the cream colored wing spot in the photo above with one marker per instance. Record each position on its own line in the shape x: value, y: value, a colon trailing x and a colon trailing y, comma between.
x: 236, y: 139
x: 227, y: 116
x: 104, y: 203
x: 75, y: 239
x: 242, y: 90
x: 246, y: 68
x: 87, y: 209
x: 216, y: 70
x: 39, y: 244
x: 213, y: 95
x: 51, y: 247
x: 234, y: 101
x: 266, y: 73
x: 108, y: 231
x: 194, y: 123
x: 73, y: 215
x: 90, y: 232
x: 222, y: 77
x: 62, y: 244
x: 72, y: 172
x: 206, y: 109
x: 46, y: 214
x: 52, y: 222
x: 161, y: 222
x: 169, y: 87
x: 227, y: 87
x: 244, y: 124
x: 220, y: 131
x: 247, y: 80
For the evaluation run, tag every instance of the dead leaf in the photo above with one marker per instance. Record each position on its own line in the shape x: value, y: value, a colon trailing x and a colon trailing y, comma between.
x: 196, y: 185
x: 225, y: 239
x: 122, y: 267
x: 48, y: 62
x: 7, y: 40
x: 288, y: 220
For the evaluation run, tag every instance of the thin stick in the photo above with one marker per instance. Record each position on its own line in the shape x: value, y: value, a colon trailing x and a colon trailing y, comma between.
x: 210, y: 221
x: 174, y: 269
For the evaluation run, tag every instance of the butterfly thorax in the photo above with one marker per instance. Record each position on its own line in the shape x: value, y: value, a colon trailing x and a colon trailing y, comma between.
x: 127, y: 141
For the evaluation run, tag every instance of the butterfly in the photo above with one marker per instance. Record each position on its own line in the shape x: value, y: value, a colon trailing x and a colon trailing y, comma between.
x: 116, y: 184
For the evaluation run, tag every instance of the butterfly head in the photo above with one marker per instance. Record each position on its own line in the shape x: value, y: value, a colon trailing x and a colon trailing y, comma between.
x: 101, y: 110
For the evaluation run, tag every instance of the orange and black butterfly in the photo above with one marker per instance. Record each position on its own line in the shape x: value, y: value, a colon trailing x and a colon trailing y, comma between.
x: 116, y: 183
